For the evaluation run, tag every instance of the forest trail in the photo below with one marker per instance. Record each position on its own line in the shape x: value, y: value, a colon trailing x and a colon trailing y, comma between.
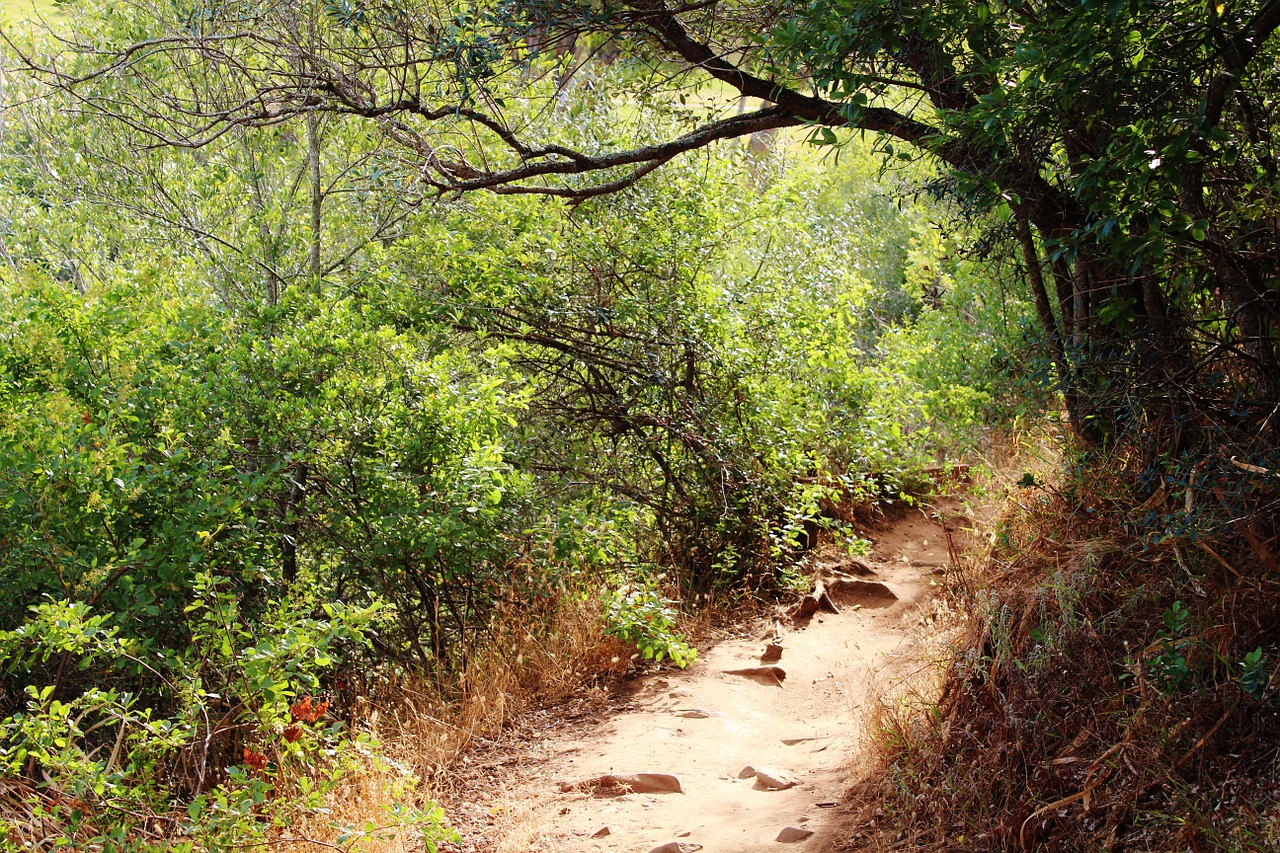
x: 705, y: 726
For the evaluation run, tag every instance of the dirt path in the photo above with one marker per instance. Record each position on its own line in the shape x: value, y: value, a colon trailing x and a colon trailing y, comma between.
x: 705, y: 725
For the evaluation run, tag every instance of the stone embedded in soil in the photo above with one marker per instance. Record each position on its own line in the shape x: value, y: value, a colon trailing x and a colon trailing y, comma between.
x: 771, y: 780
x: 644, y: 783
x: 640, y: 783
x: 772, y: 653
x: 747, y: 772
x: 602, y: 832
x: 697, y: 714
x: 858, y: 567
x: 677, y: 847
x: 766, y: 674
x: 792, y: 834
x: 854, y: 591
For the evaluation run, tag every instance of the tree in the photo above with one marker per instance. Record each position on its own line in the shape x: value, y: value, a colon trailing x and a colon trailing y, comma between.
x: 1124, y: 145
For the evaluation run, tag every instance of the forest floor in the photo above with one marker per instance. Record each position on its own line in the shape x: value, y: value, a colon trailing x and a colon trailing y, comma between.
x: 545, y: 783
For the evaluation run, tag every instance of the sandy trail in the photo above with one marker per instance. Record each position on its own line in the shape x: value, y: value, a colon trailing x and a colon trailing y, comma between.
x: 704, y: 725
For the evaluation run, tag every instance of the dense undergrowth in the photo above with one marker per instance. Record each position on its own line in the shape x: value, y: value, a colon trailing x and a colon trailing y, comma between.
x: 306, y: 480
x: 296, y: 448
x: 1112, y: 687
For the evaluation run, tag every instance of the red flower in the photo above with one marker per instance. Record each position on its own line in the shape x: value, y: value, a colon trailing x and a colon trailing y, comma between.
x: 305, y: 712
x: 254, y: 759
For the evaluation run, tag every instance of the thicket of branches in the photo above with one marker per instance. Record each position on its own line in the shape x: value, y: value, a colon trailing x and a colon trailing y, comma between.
x: 290, y: 325
x: 281, y: 427
x: 1126, y: 145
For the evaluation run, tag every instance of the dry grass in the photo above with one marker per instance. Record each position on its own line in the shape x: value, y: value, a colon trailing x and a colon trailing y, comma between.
x: 533, y: 674
x: 524, y: 663
x: 523, y: 830
x: 424, y: 727
x: 1058, y: 718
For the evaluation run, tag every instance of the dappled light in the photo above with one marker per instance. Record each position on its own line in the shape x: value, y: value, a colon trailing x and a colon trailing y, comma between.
x: 410, y: 409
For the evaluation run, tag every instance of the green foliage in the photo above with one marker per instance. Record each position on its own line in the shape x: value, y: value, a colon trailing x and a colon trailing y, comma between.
x: 690, y: 348
x: 1136, y: 181
x: 248, y: 463
x: 1255, y: 674
x: 643, y: 618
x: 1108, y: 146
x: 253, y: 756
x: 147, y: 446
x: 1169, y: 667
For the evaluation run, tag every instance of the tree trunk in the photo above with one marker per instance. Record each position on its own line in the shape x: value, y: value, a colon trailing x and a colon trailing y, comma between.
x: 317, y: 197
x: 289, y: 541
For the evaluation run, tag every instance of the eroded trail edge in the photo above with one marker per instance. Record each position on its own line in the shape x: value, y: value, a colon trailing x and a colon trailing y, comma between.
x: 743, y: 750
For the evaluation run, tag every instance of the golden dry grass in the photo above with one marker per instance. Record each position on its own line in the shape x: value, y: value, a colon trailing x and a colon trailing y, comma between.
x: 1048, y: 724
x: 424, y: 727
